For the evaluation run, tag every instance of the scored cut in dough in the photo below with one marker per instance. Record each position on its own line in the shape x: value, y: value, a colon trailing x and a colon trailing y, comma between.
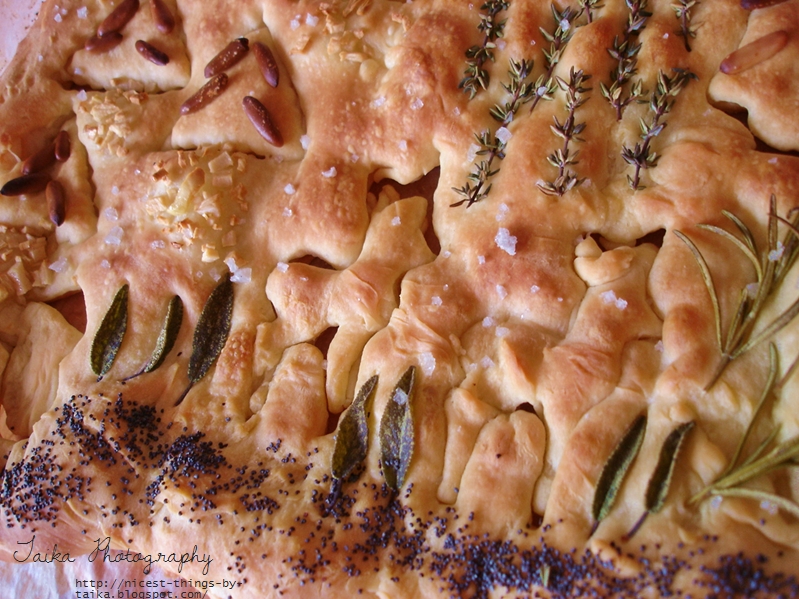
x: 539, y: 325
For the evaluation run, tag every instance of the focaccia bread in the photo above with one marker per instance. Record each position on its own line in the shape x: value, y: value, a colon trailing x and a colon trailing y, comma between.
x: 422, y: 299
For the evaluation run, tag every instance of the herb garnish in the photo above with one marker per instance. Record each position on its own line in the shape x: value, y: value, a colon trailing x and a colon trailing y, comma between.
x: 565, y: 25
x: 682, y: 10
x: 492, y: 145
x: 166, y: 338
x: 211, y: 332
x: 615, y: 470
x: 589, y: 5
x: 109, y: 335
x: 476, y: 77
x: 761, y: 461
x: 352, y: 440
x: 625, y: 52
x: 771, y: 266
x: 658, y: 488
x: 660, y: 104
x: 569, y: 130
x: 396, y: 432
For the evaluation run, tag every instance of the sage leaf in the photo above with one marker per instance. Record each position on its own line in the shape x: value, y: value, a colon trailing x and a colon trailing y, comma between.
x: 616, y: 468
x: 166, y: 338
x: 109, y: 336
x: 352, y: 440
x: 658, y: 488
x: 211, y: 333
x: 396, y: 432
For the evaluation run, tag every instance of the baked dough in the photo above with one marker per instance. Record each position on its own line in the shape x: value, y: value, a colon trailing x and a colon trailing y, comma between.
x: 540, y: 326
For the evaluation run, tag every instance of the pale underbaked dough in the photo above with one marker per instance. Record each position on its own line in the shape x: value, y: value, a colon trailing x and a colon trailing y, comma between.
x: 540, y: 326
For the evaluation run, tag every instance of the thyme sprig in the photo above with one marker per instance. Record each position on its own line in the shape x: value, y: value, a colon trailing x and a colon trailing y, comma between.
x: 770, y: 265
x: 660, y: 104
x: 588, y: 6
x: 476, y: 77
x: 492, y: 144
x: 682, y: 10
x: 625, y: 51
x: 767, y: 457
x: 565, y: 24
x: 569, y: 131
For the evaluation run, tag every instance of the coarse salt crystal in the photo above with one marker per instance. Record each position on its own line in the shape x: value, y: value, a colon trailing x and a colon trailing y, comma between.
x: 505, y: 241
x: 289, y: 189
x: 502, y: 331
x: 305, y: 141
x: 403, y: 144
x: 472, y: 152
x: 295, y: 22
x: 105, y: 264
x: 111, y: 214
x: 311, y: 20
x: 242, y: 275
x: 488, y: 322
x: 481, y: 259
x: 59, y: 265
x: 417, y: 104
x: 534, y: 289
x: 158, y: 244
x: 114, y: 236
x: 777, y: 253
x: 378, y: 102
x: 287, y: 212
x: 772, y: 160
x: 282, y: 266
x: 770, y: 507
x: 115, y: 190
x: 621, y: 304
x: 502, y: 212
x: 231, y: 264
x: 608, y: 297
x: 58, y: 18
x: 659, y: 347
x: 83, y: 12
x: 565, y: 25
x: 396, y: 221
x: 330, y: 173
x: 427, y: 361
x: 503, y: 134
x: 436, y: 300
x: 81, y: 96
x: 501, y: 44
x: 486, y: 362
x: 446, y: 254
x: 77, y: 71
x: 456, y: 111
x: 501, y: 291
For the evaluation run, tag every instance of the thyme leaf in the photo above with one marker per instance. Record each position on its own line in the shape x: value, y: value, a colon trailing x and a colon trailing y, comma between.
x: 109, y: 335
x: 396, y: 432
x: 615, y: 470
x: 658, y: 488
x: 211, y: 333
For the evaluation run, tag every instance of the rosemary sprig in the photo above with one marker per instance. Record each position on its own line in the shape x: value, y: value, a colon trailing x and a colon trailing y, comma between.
x: 682, y: 10
x: 588, y: 6
x: 766, y: 458
x: 625, y: 52
x: 545, y: 86
x: 660, y: 104
x: 493, y: 144
x: 475, y: 76
x: 569, y: 130
x: 770, y: 265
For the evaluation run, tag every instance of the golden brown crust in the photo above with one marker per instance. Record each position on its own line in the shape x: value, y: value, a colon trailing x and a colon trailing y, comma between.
x: 541, y: 319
